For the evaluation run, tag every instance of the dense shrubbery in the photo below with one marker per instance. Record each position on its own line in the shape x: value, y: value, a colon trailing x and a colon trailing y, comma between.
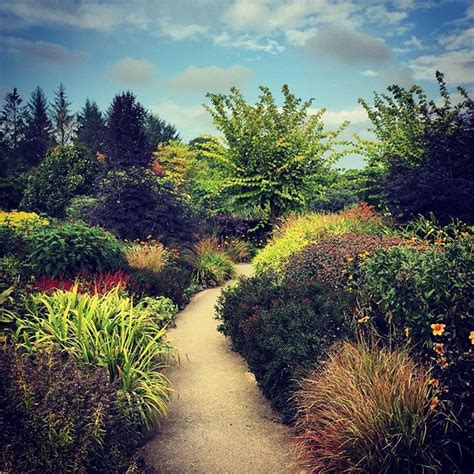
x: 299, y: 231
x: 369, y: 409
x: 61, y: 416
x: 336, y: 260
x: 133, y: 204
x: 66, y: 172
x: 281, y: 330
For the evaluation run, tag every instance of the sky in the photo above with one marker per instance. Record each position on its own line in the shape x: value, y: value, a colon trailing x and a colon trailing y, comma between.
x: 170, y: 53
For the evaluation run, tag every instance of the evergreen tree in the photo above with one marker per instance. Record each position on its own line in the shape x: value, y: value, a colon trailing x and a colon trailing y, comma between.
x: 126, y: 142
x: 159, y: 131
x: 63, y: 120
x: 91, y: 127
x: 38, y: 128
x: 12, y: 120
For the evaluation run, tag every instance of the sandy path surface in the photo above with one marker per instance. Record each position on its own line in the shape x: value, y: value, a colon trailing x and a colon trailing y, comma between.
x: 218, y: 421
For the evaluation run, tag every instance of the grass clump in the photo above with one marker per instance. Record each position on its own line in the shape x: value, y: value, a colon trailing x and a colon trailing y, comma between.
x: 151, y: 256
x: 368, y: 409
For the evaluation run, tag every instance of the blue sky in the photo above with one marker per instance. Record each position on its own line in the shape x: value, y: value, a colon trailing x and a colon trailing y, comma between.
x: 171, y: 52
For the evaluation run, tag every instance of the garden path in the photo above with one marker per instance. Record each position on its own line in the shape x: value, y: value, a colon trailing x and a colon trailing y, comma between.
x: 218, y: 421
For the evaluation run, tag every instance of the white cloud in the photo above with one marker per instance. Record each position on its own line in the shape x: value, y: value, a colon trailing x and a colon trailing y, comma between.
x: 190, y: 120
x: 178, y: 32
x: 132, y: 71
x: 356, y: 115
x: 349, y: 46
x: 40, y: 51
x: 299, y: 37
x: 457, y: 66
x: 403, y: 76
x: 248, y: 42
x: 369, y: 73
x: 380, y: 14
x: 210, y: 79
x: 464, y: 39
x: 413, y: 43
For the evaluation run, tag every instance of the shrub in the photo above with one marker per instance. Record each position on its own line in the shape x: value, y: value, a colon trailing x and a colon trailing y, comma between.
x: 71, y: 248
x: 211, y: 266
x: 172, y: 282
x: 21, y: 218
x: 151, y: 256
x: 368, y: 409
x: 134, y: 204
x: 161, y: 309
x: 335, y: 260
x: 61, y: 416
x: 66, y: 171
x: 107, y: 331
x: 426, y: 300
x: 298, y: 231
x: 281, y: 331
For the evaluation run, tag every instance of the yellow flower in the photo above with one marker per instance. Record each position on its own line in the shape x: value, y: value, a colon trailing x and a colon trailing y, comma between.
x: 350, y: 259
x: 439, y: 348
x: 363, y: 320
x: 471, y: 337
x: 433, y: 382
x: 438, y: 329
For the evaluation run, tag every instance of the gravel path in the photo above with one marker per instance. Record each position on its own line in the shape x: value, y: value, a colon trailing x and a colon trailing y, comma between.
x: 218, y: 421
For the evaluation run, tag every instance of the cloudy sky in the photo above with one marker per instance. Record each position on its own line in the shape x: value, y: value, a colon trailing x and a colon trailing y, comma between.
x: 171, y: 52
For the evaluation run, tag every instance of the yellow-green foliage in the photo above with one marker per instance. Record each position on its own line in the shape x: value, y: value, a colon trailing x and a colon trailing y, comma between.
x: 20, y: 218
x: 298, y: 231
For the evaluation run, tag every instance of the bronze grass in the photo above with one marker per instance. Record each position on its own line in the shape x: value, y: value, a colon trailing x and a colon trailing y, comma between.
x: 368, y: 409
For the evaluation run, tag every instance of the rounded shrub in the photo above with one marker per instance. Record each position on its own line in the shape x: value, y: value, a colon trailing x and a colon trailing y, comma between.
x: 135, y: 204
x: 66, y: 171
x: 66, y: 249
x: 280, y: 330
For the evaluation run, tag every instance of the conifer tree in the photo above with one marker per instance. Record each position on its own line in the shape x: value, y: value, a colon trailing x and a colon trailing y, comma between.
x: 38, y: 128
x: 91, y: 127
x: 63, y: 120
x: 159, y: 131
x: 12, y: 120
x: 126, y: 143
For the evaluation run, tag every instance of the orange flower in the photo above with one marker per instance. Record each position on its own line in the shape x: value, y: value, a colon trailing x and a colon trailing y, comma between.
x: 442, y: 362
x: 471, y: 337
x: 433, y: 382
x: 434, y: 403
x: 439, y: 348
x: 363, y: 320
x: 438, y: 329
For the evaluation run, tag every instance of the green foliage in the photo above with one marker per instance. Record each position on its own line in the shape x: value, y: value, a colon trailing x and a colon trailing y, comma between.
x: 107, y: 331
x: 66, y: 172
x: 270, y: 155
x: 160, y: 309
x: 63, y: 120
x: 280, y: 329
x: 158, y: 130
x: 61, y: 416
x: 135, y: 204
x: 70, y: 248
x: 12, y: 188
x: 81, y: 208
